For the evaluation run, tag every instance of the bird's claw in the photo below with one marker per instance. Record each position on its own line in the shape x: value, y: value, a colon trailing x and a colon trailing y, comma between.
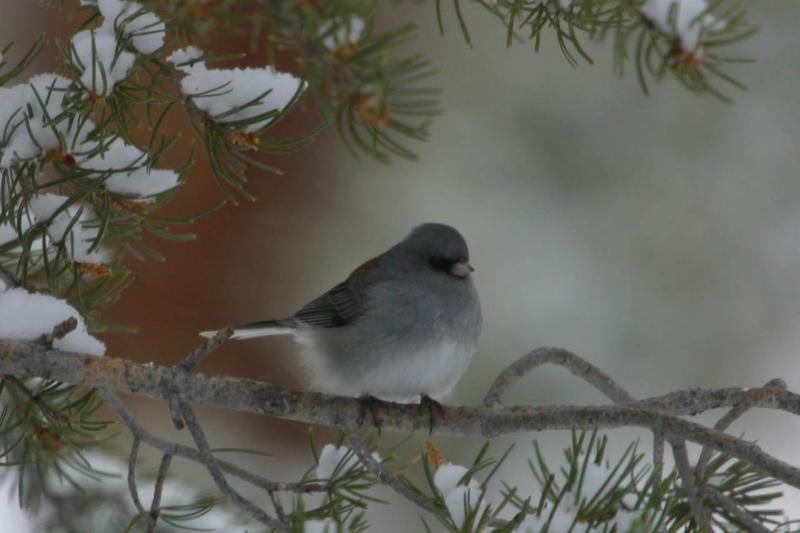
x: 370, y: 403
x: 431, y: 405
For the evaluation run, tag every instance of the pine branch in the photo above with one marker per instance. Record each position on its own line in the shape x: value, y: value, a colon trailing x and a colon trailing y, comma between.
x: 363, y: 84
x: 45, y: 408
x: 240, y: 394
x: 719, y: 499
x: 594, y: 376
x: 385, y: 476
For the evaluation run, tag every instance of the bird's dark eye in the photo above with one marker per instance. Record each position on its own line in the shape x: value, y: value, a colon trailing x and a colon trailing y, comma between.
x: 441, y: 263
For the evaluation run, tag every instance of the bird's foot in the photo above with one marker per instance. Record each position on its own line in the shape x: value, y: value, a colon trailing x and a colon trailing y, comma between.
x: 430, y: 405
x: 372, y: 404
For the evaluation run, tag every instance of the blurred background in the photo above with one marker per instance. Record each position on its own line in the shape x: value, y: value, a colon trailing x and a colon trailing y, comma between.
x: 656, y: 235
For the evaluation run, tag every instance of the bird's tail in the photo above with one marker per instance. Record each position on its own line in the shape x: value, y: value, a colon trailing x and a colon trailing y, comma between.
x: 265, y: 328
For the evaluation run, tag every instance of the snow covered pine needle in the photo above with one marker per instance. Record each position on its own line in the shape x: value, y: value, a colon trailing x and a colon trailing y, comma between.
x: 246, y: 99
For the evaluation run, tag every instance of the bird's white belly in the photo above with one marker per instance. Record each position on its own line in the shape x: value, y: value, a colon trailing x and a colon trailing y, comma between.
x: 402, y: 377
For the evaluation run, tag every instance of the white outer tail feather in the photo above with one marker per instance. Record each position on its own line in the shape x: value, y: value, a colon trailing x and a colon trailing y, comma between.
x: 251, y: 333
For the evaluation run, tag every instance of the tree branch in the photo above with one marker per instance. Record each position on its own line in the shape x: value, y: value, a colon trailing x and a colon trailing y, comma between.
x: 30, y: 358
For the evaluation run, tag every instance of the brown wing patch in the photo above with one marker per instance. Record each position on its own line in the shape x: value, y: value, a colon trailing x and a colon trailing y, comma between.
x: 362, y: 270
x: 340, y: 305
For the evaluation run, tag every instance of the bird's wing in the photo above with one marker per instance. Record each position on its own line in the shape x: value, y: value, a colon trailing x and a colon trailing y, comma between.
x: 337, y: 307
x: 342, y: 304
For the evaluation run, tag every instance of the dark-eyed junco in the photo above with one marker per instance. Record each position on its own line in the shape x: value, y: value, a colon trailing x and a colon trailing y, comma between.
x: 403, y: 325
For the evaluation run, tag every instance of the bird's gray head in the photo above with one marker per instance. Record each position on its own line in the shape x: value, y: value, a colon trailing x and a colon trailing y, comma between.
x: 440, y: 247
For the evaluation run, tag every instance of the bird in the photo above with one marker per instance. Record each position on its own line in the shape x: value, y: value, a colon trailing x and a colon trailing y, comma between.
x: 401, y: 327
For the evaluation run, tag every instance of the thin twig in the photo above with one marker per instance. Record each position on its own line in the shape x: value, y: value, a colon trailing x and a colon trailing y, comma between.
x: 725, y: 421
x: 711, y: 493
x: 276, y: 504
x: 557, y: 356
x: 59, y: 331
x: 377, y: 469
x: 155, y: 505
x: 658, y: 447
x: 174, y: 404
x: 385, y: 476
x: 134, y: 455
x: 206, y: 348
x: 193, y: 455
x: 213, y: 467
x: 681, y: 455
x: 719, y: 499
x: 188, y: 365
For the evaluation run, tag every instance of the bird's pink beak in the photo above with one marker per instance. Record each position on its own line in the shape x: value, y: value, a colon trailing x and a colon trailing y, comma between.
x: 462, y: 269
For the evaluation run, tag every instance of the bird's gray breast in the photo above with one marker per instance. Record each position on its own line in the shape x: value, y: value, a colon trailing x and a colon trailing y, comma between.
x: 423, y: 312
